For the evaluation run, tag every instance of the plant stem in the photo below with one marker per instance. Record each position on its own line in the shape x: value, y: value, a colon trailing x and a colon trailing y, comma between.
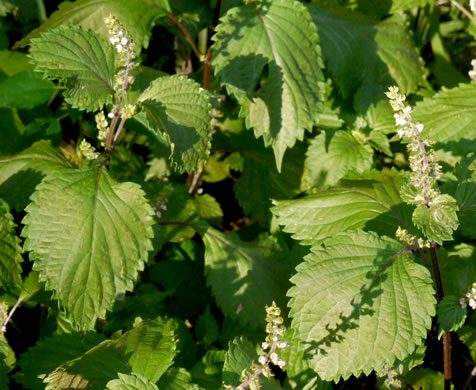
x: 207, y: 65
x: 446, y: 336
x: 41, y: 10
x: 3, y: 329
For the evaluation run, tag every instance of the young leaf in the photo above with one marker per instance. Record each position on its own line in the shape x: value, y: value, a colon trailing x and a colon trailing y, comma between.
x: 448, y: 117
x: 364, y: 323
x: 150, y: 347
x: 369, y: 201
x: 50, y: 353
x: 330, y: 156
x: 84, y: 60
x: 179, y: 109
x: 278, y: 39
x: 239, y: 274
x: 131, y: 382
x: 451, y: 315
x: 439, y: 220
x: 20, y: 174
x: 101, y: 232
x: 93, y: 370
x: 137, y: 16
x: 10, y: 249
x: 361, y: 50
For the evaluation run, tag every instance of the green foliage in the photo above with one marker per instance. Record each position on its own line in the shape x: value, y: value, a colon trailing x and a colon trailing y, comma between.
x: 131, y: 382
x: 10, y: 249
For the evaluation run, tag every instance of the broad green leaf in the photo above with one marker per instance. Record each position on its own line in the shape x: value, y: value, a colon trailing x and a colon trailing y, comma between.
x: 51, y: 352
x: 131, y: 382
x: 362, y: 324
x: 10, y: 249
x: 20, y: 174
x: 82, y: 59
x: 101, y: 230
x: 277, y: 41
x: 208, y: 207
x: 93, y: 370
x: 466, y: 195
x: 330, y: 156
x: 177, y: 379
x: 371, y: 202
x: 137, y: 16
x: 385, y: 7
x: 150, y: 347
x: 180, y: 111
x: 25, y: 90
x: 7, y: 355
x: 13, y: 62
x: 240, y: 275
x: 439, y: 220
x: 451, y: 315
x: 425, y: 378
x: 448, y: 117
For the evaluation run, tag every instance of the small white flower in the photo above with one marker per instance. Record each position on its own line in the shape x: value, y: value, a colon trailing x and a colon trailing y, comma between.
x: 400, y: 119
x: 472, y: 303
x: 264, y: 345
x: 281, y: 363
x: 110, y: 115
x: 124, y: 41
x: 119, y: 48
x: 419, y: 127
x: 283, y: 344
x: 262, y: 360
x: 274, y: 357
x: 462, y: 302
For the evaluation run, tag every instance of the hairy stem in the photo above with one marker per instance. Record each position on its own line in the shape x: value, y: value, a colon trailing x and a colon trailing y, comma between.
x: 446, y: 336
x: 3, y: 329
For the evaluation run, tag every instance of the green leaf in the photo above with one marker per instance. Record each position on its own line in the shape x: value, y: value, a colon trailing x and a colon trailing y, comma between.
x: 362, y: 50
x: 239, y: 274
x: 206, y: 328
x: 82, y: 59
x: 208, y: 207
x: 352, y: 301
x: 131, y: 382
x: 278, y: 40
x: 330, y: 156
x: 448, y: 117
x: 439, y: 220
x: 371, y: 202
x: 451, y: 315
x: 467, y: 335
x: 93, y: 370
x: 179, y: 109
x: 150, y: 347
x: 177, y: 378
x: 101, y: 230
x: 137, y: 16
x: 10, y: 249
x: 466, y: 195
x: 425, y: 378
x: 51, y: 352
x: 385, y: 7
x: 13, y: 62
x: 208, y: 371
x: 20, y: 174
x: 25, y: 90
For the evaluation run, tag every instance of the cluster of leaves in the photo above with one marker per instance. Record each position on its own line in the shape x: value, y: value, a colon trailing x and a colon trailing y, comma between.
x: 261, y: 165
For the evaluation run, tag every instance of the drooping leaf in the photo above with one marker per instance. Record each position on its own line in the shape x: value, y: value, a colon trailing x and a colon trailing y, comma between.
x: 448, y: 117
x: 10, y: 249
x: 240, y: 277
x: 466, y: 195
x: 362, y: 50
x: 20, y: 174
x: 50, y: 353
x: 137, y: 16
x: 25, y: 90
x: 277, y: 39
x: 439, y: 220
x: 93, y: 370
x: 363, y: 324
x: 101, y: 230
x: 330, y: 156
x: 131, y: 382
x: 82, y: 59
x: 451, y: 315
x: 150, y: 347
x: 370, y: 201
x: 179, y: 109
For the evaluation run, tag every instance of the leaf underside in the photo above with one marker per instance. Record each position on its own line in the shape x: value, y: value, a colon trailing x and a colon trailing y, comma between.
x: 101, y: 232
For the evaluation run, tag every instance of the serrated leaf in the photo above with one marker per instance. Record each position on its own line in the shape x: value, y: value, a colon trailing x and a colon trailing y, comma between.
x: 138, y: 17
x: 448, y: 117
x: 369, y: 202
x: 278, y: 39
x: 352, y: 300
x: 101, y: 230
x: 330, y: 156
x: 10, y: 249
x: 451, y: 315
x: 466, y: 195
x: 93, y: 370
x: 177, y: 378
x: 20, y: 174
x: 179, y: 109
x: 362, y: 50
x: 150, y: 347
x: 240, y: 277
x: 131, y: 382
x: 82, y: 59
x: 25, y: 90
x: 51, y: 352
x: 439, y: 220
x: 208, y: 207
